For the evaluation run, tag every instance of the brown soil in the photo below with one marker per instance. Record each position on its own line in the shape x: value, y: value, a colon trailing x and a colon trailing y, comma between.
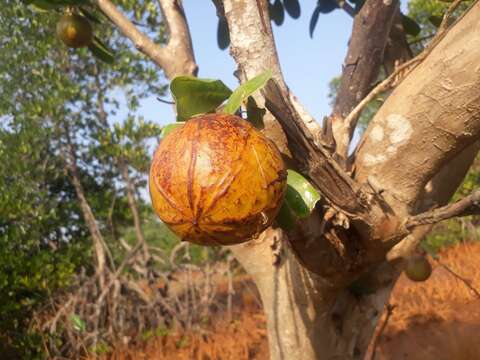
x: 435, y: 320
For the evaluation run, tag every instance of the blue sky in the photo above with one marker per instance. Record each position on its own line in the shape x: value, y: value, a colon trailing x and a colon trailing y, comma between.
x: 308, y: 64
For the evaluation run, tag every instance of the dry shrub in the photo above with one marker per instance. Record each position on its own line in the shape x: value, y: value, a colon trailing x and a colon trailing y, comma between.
x: 435, y: 320
x: 243, y: 337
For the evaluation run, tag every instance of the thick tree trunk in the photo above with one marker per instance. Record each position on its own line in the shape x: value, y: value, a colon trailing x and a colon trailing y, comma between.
x: 309, y: 318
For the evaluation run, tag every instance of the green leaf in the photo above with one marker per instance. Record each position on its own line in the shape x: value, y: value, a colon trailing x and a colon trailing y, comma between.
x: 245, y: 90
x: 323, y: 7
x: 195, y: 96
x: 43, y: 5
x: 223, y: 35
x: 167, y: 129
x: 300, y: 200
x: 277, y: 12
x: 293, y: 8
x: 77, y: 323
x: 410, y: 26
x: 302, y: 196
x: 314, y: 20
x: 327, y: 6
x: 101, y: 51
x: 285, y: 218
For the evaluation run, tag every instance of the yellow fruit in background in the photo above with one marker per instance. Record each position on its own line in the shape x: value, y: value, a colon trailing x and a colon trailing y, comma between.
x: 217, y: 180
x: 75, y: 30
x: 418, y: 268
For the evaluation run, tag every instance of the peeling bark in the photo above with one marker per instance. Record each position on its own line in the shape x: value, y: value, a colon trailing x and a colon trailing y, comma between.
x: 371, y: 29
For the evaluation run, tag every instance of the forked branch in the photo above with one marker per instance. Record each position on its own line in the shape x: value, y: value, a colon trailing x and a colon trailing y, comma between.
x: 250, y: 32
x: 401, y: 71
x: 177, y: 57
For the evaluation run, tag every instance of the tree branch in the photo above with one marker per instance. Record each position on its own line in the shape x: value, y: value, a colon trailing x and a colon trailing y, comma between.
x: 469, y: 205
x: 437, y: 193
x: 90, y: 220
x: 429, y: 119
x: 179, y: 45
x: 251, y: 33
x: 371, y: 29
x: 314, y: 158
x: 388, y: 313
x: 466, y: 282
x: 397, y: 50
x: 177, y: 57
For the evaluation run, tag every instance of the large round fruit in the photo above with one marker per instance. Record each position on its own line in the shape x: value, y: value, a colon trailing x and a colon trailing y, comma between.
x: 74, y: 30
x: 418, y: 268
x: 217, y: 180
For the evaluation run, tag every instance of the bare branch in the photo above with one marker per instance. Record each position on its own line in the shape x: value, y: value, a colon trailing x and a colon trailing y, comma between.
x: 388, y: 313
x: 371, y: 29
x: 132, y: 202
x: 429, y: 119
x: 401, y: 71
x: 469, y: 205
x: 179, y: 44
x: 468, y: 283
x: 90, y: 220
x: 437, y: 193
x: 250, y: 32
x: 330, y: 179
x: 177, y: 57
x: 397, y: 50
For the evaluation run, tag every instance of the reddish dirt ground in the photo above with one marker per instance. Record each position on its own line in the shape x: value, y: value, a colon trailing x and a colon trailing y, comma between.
x: 435, y: 320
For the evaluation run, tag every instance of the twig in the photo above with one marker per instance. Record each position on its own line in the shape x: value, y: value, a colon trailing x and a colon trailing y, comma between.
x: 389, y: 311
x: 118, y: 272
x: 174, y: 252
x: 467, y: 282
x: 166, y: 101
x: 469, y: 205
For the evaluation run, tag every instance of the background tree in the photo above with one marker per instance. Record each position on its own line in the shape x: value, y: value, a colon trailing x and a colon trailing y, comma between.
x: 376, y: 203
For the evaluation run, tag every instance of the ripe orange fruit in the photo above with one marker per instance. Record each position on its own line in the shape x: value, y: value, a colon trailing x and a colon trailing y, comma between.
x: 75, y: 30
x: 418, y: 268
x: 217, y: 180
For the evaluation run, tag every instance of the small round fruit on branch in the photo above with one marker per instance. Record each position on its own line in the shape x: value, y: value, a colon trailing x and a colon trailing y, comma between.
x: 217, y: 180
x: 75, y: 30
x: 418, y: 268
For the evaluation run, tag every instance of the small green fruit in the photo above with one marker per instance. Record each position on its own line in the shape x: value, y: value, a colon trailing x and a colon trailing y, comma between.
x: 75, y: 30
x: 418, y: 268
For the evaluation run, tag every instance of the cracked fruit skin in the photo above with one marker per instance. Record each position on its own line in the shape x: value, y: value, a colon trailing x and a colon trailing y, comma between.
x: 217, y: 180
x: 75, y: 31
x: 418, y: 268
